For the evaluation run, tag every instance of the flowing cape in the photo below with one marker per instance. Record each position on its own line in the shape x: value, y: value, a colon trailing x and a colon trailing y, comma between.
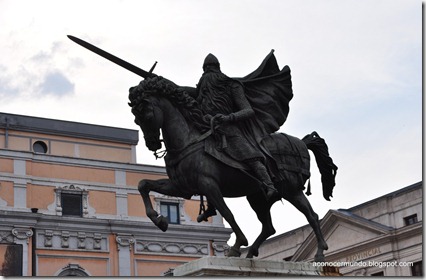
x: 269, y: 92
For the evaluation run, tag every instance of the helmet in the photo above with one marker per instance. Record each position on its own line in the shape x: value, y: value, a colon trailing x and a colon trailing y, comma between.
x: 211, y: 60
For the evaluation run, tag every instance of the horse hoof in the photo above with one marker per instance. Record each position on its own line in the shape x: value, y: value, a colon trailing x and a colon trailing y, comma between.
x: 207, y: 214
x: 162, y: 223
x: 234, y: 252
x: 252, y: 253
x: 201, y: 218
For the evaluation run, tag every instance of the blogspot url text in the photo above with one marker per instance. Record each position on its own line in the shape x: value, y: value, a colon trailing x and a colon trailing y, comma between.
x: 364, y: 264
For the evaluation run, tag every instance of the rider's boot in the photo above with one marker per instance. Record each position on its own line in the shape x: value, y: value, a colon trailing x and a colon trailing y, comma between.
x: 271, y: 191
x: 262, y: 175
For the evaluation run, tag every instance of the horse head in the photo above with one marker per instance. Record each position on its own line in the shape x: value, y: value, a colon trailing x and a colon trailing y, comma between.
x: 158, y: 103
x: 144, y: 102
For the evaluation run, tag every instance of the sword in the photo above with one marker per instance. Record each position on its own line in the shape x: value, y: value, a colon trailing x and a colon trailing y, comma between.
x: 132, y: 68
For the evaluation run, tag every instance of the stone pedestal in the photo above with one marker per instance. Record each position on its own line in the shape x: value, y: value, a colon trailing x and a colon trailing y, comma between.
x: 222, y: 266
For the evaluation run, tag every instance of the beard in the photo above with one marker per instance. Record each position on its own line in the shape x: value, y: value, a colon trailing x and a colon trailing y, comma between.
x: 215, y: 93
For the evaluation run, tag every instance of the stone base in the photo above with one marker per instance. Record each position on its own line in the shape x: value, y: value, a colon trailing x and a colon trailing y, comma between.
x: 223, y: 266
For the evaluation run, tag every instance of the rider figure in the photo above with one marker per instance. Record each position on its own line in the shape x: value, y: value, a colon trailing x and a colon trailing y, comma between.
x: 223, y: 99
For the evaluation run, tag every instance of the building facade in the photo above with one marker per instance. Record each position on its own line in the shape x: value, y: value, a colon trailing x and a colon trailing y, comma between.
x: 69, y: 205
x: 381, y: 237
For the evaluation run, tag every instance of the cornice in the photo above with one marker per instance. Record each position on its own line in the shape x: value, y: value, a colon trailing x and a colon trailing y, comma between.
x: 138, y: 229
x: 68, y: 128
x: 90, y: 163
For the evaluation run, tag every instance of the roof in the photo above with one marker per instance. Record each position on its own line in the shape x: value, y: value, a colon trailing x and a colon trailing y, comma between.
x: 358, y: 218
x: 409, y: 188
x: 67, y: 128
x: 330, y: 225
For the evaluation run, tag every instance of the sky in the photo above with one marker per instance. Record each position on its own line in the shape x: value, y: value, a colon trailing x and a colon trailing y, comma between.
x: 356, y: 70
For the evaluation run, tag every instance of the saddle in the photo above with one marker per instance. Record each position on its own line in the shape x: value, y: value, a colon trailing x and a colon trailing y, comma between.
x: 290, y: 154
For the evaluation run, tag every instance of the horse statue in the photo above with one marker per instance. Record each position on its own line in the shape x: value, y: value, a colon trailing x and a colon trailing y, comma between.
x: 195, y: 167
x: 159, y: 104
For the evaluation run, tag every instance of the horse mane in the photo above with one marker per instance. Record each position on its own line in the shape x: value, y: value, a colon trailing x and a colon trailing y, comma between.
x: 178, y: 96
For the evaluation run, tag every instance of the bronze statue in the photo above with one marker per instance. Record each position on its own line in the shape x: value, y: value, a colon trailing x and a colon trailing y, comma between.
x: 224, y: 98
x: 221, y: 141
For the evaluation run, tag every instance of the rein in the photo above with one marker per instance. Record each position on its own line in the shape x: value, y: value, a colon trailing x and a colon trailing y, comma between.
x: 202, y: 137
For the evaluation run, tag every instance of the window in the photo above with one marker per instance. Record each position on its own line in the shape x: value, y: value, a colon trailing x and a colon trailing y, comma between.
x: 170, y: 211
x: 417, y: 269
x: 40, y: 147
x: 71, y: 204
x: 71, y: 201
x: 380, y: 273
x: 410, y: 220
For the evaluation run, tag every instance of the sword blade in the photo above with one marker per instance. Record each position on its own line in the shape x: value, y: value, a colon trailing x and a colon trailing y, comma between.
x: 132, y: 68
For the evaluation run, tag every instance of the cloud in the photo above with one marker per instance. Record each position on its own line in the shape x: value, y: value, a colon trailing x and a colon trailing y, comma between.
x: 7, y: 89
x: 56, y: 83
x: 39, y: 71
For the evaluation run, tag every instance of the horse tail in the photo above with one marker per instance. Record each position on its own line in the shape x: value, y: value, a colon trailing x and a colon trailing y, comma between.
x: 325, y: 163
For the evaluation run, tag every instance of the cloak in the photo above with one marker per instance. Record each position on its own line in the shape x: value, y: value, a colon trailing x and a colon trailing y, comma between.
x: 269, y: 91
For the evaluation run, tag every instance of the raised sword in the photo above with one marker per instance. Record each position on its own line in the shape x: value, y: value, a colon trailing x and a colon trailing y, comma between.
x: 132, y: 68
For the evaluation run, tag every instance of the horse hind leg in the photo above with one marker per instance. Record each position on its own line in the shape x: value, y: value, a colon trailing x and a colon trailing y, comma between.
x: 262, y: 208
x: 214, y: 195
x: 300, y: 201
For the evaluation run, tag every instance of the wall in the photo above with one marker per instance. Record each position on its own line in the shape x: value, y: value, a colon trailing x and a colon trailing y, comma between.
x: 113, y: 237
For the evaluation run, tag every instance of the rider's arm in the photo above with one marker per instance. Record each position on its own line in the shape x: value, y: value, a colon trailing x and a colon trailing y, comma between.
x: 244, y: 109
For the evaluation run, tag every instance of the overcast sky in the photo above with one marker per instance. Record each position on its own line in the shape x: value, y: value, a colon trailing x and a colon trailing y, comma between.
x: 356, y: 71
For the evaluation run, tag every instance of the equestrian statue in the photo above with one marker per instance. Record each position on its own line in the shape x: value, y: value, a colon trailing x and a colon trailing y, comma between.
x: 221, y: 140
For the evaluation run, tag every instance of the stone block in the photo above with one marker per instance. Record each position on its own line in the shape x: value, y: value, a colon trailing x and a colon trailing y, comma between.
x: 223, y: 266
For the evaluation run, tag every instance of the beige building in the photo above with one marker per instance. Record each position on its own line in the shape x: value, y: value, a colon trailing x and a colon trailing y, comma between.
x: 383, y: 236
x: 69, y: 205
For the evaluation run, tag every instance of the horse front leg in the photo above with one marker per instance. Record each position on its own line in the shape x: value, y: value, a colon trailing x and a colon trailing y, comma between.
x: 163, y: 186
x: 299, y: 200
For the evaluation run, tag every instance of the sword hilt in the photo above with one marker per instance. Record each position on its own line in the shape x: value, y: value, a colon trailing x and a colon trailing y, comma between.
x: 152, y: 68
